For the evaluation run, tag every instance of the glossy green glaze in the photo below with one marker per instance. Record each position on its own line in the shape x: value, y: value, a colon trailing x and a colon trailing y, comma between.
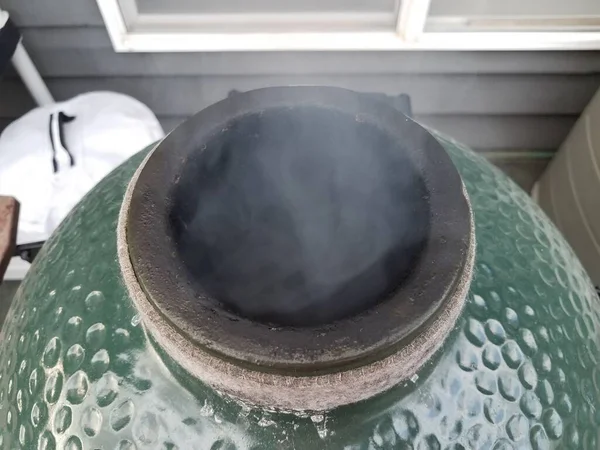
x: 520, y: 370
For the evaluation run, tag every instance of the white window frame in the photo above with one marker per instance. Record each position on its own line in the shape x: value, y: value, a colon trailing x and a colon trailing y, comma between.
x: 130, y: 31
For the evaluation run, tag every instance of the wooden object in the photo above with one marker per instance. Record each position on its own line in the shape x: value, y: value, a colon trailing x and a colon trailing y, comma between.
x: 9, y: 217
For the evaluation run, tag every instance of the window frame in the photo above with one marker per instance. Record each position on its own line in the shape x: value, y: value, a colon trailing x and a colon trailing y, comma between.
x: 409, y: 34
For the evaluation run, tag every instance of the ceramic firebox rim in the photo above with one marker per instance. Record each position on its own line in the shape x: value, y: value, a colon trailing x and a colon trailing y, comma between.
x: 355, y: 340
x: 321, y: 392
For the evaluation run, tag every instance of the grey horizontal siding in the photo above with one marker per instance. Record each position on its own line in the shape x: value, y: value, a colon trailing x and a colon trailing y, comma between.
x: 47, y: 13
x: 487, y: 133
x: 431, y: 94
x: 504, y: 132
x: 508, y: 101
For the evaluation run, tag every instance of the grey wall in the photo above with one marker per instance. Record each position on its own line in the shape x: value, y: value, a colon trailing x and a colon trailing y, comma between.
x: 509, y: 101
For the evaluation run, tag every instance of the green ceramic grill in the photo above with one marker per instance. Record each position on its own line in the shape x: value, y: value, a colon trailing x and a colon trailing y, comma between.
x: 303, y: 268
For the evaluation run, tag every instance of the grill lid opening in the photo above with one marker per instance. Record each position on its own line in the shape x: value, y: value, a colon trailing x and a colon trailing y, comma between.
x: 298, y: 237
x: 299, y: 216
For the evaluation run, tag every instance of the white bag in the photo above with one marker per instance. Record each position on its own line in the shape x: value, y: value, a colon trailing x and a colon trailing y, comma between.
x: 52, y: 156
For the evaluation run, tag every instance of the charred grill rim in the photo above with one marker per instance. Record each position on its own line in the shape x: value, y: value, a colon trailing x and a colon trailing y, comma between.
x: 349, y: 343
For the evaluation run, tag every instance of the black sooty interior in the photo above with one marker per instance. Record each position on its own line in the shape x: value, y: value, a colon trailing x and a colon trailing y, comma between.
x: 299, y: 216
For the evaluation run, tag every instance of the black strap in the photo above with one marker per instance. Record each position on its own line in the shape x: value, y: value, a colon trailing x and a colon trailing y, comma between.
x: 57, y: 139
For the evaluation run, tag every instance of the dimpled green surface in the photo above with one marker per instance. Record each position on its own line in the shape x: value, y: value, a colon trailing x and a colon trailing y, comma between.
x: 521, y: 369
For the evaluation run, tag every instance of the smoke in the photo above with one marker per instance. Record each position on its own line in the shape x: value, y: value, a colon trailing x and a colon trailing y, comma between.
x: 299, y: 216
